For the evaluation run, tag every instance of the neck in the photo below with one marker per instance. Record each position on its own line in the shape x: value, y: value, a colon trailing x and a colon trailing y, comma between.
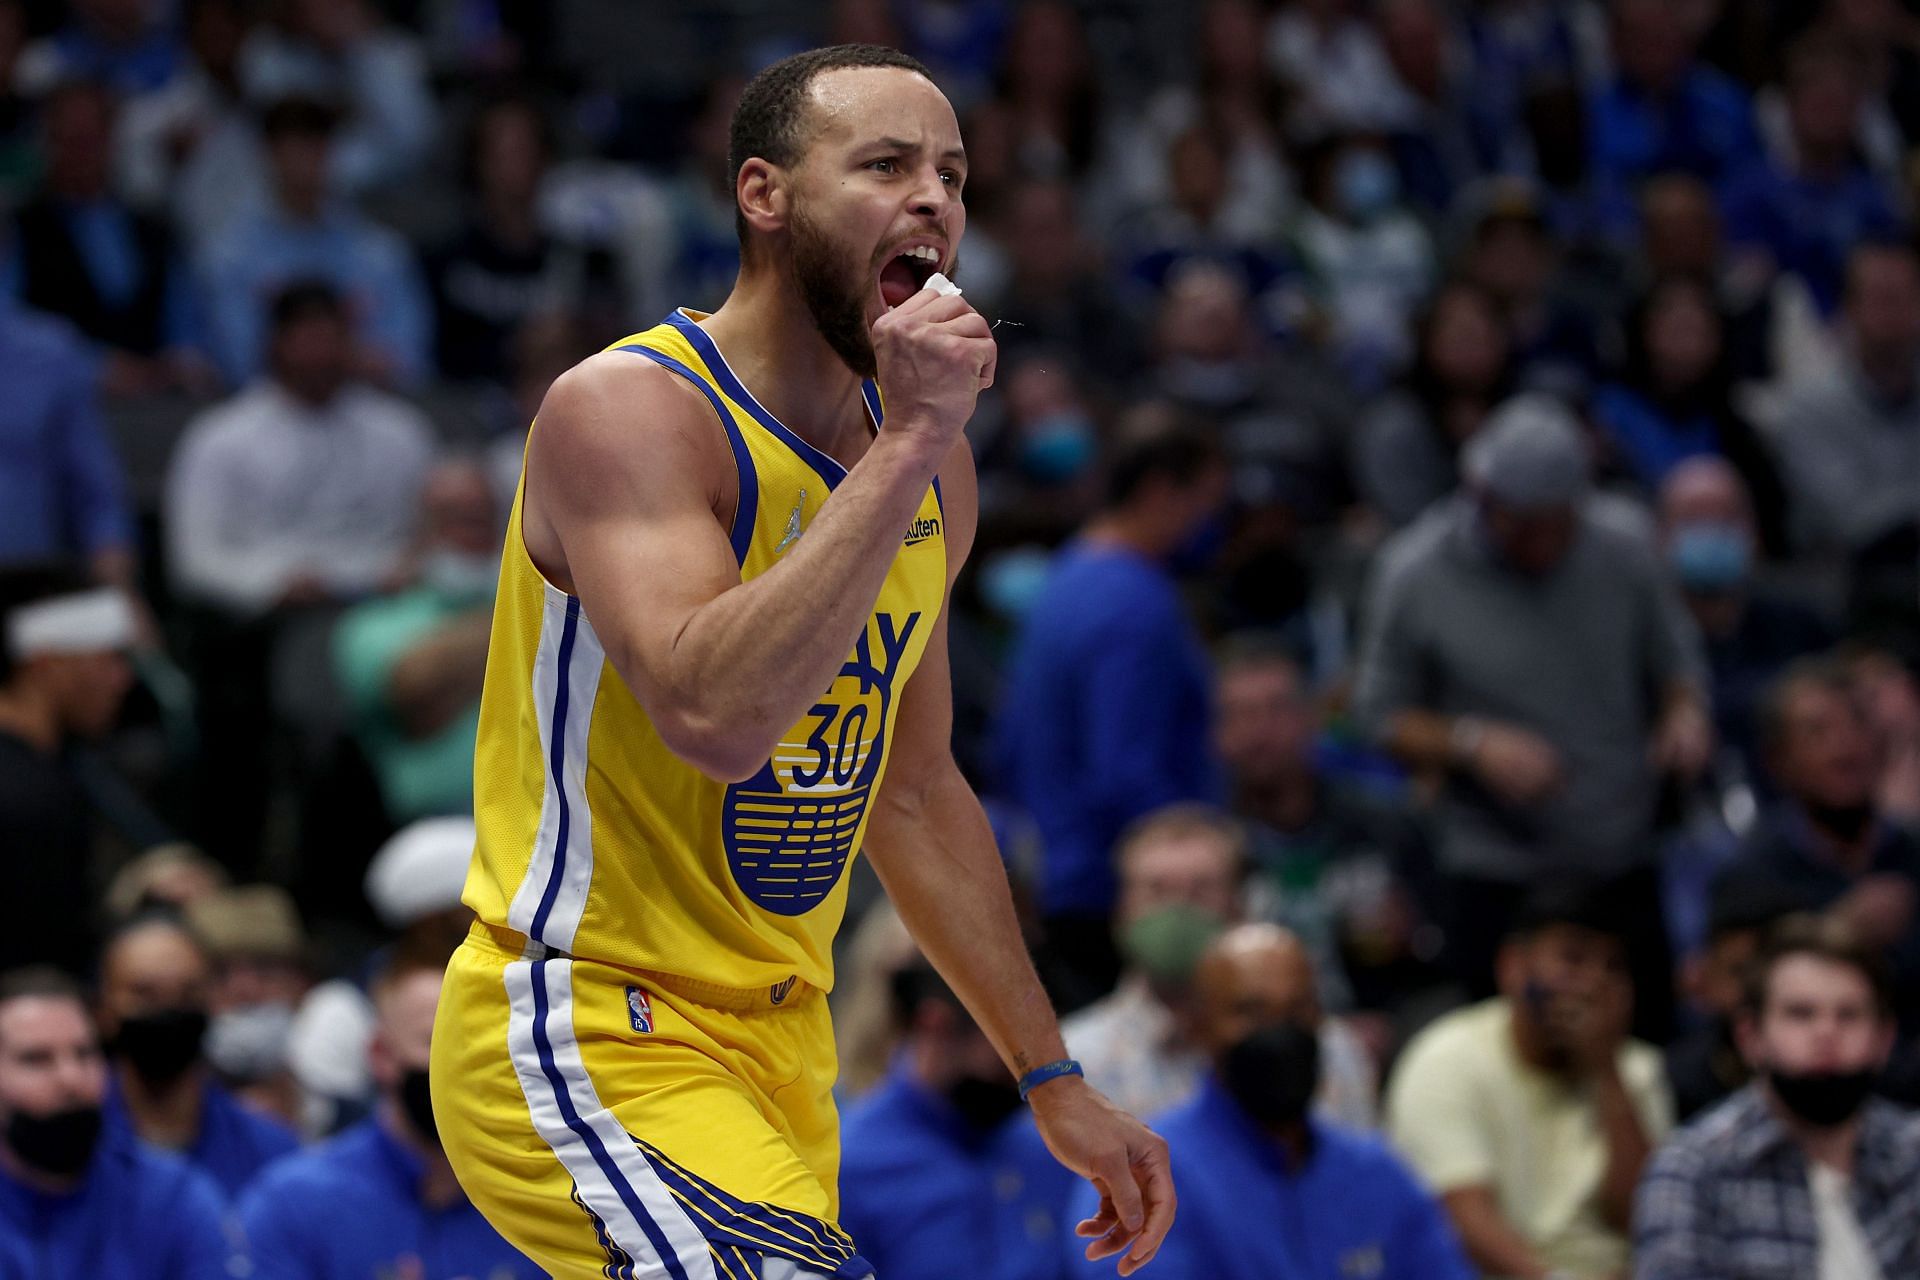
x: 1285, y: 801
x: 438, y: 1187
x: 1531, y: 1043
x: 1830, y: 1145
x: 29, y: 718
x: 167, y: 1116
x: 1717, y: 614
x: 1295, y: 1143
x: 38, y: 1179
x: 769, y: 338
x: 1130, y: 529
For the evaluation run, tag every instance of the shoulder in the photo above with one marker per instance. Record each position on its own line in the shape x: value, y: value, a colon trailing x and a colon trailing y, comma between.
x: 164, y: 1185
x: 601, y: 409
x: 1366, y: 1156
x: 1410, y: 552
x: 230, y: 422
x: 331, y: 1168
x: 1455, y: 1040
x: 263, y: 1132
x: 389, y: 414
x: 1710, y: 1141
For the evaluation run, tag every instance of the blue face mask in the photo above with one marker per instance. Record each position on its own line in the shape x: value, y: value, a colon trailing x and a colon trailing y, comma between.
x: 1014, y: 579
x: 1710, y: 556
x: 1365, y: 185
x: 1057, y: 448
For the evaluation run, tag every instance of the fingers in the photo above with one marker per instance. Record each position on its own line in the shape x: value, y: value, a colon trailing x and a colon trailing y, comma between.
x: 1120, y: 1185
x: 1116, y: 1236
x: 1156, y: 1187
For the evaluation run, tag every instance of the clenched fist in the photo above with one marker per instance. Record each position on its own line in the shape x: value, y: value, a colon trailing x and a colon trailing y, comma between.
x: 934, y: 355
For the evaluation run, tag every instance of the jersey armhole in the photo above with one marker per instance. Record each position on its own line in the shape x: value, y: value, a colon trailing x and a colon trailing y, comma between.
x: 748, y: 506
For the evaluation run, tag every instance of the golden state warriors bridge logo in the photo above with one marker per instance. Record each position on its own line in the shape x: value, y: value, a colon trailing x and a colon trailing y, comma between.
x: 790, y: 829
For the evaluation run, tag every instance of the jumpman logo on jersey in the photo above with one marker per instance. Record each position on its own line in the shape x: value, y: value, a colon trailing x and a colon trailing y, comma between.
x: 793, y: 523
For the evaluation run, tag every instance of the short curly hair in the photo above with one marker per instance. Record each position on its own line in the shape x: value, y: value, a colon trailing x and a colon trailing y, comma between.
x: 770, y: 121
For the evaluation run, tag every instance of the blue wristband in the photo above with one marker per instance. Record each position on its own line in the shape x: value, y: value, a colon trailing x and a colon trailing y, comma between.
x: 1051, y: 1071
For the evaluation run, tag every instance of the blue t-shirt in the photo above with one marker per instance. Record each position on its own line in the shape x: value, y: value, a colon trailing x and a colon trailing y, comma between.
x: 1353, y: 1210
x: 1809, y: 225
x: 923, y: 1195
x: 235, y: 1142
x: 1651, y: 442
x: 140, y: 1214
x: 61, y: 488
x: 350, y: 1208
x: 1105, y: 716
x: 1703, y: 127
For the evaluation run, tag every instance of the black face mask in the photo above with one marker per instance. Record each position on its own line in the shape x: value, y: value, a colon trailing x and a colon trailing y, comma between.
x: 59, y: 1143
x: 1822, y: 1098
x: 416, y: 1099
x: 983, y: 1104
x: 1273, y: 1073
x: 162, y: 1044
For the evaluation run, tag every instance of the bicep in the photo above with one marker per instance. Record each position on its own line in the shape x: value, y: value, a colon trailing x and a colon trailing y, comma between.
x: 621, y: 473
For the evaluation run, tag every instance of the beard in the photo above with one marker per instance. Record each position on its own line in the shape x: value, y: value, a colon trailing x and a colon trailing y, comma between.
x: 832, y: 283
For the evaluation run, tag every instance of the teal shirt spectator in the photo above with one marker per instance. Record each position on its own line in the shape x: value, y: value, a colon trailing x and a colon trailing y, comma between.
x: 61, y: 489
x: 139, y: 1214
x: 1353, y: 1208
x: 350, y: 1209
x: 419, y: 776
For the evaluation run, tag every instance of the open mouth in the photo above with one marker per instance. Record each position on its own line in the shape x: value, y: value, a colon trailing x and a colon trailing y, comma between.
x: 906, y: 273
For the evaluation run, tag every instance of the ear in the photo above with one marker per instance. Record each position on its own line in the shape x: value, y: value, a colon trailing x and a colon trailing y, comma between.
x: 761, y: 192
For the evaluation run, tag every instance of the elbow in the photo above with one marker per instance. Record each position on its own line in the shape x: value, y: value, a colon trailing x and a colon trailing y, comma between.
x: 721, y: 752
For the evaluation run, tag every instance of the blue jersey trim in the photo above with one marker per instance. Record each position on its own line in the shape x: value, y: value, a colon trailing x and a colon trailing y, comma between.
x: 556, y: 765
x: 628, y: 1196
x: 871, y: 393
x: 741, y: 535
x: 831, y: 473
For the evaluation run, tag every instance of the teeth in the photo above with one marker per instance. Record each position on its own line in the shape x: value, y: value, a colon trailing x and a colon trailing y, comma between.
x: 925, y: 252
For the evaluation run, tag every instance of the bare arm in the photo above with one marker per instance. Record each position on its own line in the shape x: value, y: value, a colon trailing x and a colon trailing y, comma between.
x: 1491, y: 1241
x: 626, y: 472
x: 1627, y: 1146
x: 440, y: 675
x: 930, y: 843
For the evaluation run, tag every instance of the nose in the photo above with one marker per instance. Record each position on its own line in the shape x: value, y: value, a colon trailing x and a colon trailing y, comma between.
x: 931, y: 196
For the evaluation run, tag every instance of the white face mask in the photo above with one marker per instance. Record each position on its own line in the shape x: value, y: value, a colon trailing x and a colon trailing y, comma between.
x: 250, y: 1043
x: 460, y: 574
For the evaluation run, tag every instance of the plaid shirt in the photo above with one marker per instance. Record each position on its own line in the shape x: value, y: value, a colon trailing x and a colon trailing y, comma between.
x: 1727, y: 1197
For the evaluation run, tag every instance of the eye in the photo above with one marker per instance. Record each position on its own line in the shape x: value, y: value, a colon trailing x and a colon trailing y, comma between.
x: 883, y: 166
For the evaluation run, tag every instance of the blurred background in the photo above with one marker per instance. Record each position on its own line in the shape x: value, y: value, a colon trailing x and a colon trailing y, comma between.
x: 1441, y: 448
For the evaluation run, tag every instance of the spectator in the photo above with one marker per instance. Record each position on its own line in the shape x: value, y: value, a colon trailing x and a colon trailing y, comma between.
x: 1681, y: 235
x: 1516, y: 255
x: 1673, y: 399
x: 1330, y: 857
x: 1269, y: 1189
x: 340, y: 52
x: 1406, y: 446
x: 1047, y: 93
x: 128, y: 45
x: 379, y: 1199
x: 1663, y: 109
x: 1532, y: 1114
x: 504, y: 266
x: 1329, y: 60
x: 1803, y: 211
x: 304, y: 487
x: 1520, y: 51
x: 155, y: 984
x: 1889, y: 694
x: 1182, y: 871
x: 260, y: 960
x: 77, y: 1200
x: 192, y: 151
x: 1056, y: 288
x: 1825, y: 842
x: 1801, y: 1173
x: 1436, y: 146
x: 62, y: 679
x: 1105, y: 712
x: 1367, y: 260
x: 81, y: 253
x: 1704, y: 1065
x: 411, y: 664
x: 301, y: 232
x: 1195, y: 219
x: 1849, y: 436
x: 168, y: 877
x: 941, y: 1162
x: 1751, y: 632
x: 1040, y: 464
x: 1552, y: 750
x: 61, y: 488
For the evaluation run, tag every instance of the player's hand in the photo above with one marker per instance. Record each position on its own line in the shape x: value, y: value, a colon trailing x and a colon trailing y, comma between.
x: 1125, y: 1161
x: 935, y: 355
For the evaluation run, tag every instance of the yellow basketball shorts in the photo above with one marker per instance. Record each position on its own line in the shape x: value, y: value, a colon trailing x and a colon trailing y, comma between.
x: 609, y: 1127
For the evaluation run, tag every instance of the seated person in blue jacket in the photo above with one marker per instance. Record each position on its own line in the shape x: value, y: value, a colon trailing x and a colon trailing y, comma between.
x: 77, y: 1198
x: 942, y: 1172
x: 156, y: 978
x: 1269, y: 1190
x: 380, y: 1199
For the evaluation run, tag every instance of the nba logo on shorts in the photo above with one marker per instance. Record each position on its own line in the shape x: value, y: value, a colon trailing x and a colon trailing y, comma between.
x: 639, y: 1010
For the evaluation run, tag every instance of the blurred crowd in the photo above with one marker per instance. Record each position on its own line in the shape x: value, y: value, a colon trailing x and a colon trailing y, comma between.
x: 1441, y: 653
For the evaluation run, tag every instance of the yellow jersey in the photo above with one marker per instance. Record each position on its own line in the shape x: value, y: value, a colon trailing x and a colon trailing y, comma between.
x: 599, y: 842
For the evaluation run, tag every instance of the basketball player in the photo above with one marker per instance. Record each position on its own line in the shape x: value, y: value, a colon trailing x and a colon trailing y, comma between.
x: 718, y: 668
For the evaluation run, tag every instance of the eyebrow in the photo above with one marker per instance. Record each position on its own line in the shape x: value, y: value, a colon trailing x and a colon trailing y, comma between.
x: 901, y: 144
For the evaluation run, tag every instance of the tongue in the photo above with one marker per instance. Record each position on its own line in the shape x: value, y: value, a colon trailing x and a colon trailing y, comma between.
x: 897, y: 282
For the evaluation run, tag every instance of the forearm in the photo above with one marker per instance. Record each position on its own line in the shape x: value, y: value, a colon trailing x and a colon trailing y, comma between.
x: 935, y: 855
x: 1491, y: 1242
x: 1423, y: 740
x: 440, y: 676
x: 748, y: 664
x: 1627, y: 1147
